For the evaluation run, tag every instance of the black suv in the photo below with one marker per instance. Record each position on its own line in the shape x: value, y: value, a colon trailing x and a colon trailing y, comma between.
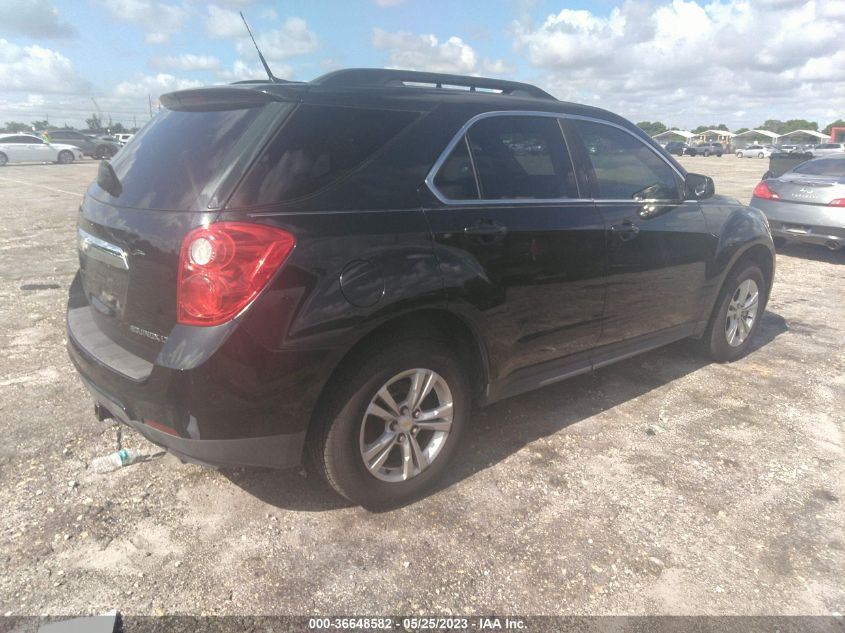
x: 677, y: 148
x: 341, y: 269
x: 90, y: 145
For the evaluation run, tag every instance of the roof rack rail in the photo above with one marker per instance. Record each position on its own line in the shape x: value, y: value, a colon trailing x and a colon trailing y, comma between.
x: 378, y: 77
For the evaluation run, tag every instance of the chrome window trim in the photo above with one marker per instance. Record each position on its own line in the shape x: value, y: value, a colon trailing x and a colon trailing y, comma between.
x: 461, y: 134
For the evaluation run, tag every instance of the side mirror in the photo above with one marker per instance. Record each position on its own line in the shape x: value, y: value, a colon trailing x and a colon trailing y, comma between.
x: 699, y: 187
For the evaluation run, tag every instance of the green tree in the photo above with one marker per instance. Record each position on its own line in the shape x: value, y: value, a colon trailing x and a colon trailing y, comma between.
x: 94, y: 123
x: 651, y: 127
x: 741, y: 130
x: 17, y: 126
x: 704, y: 128
x: 799, y: 124
x: 785, y: 127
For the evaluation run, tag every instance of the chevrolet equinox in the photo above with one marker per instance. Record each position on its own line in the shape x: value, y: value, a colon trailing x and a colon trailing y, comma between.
x: 339, y: 270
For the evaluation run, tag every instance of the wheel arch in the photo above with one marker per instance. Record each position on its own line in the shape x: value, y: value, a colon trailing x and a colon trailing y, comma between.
x: 434, y: 322
x: 758, y: 253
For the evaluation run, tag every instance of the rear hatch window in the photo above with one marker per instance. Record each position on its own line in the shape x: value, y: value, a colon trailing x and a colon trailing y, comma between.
x: 187, y: 159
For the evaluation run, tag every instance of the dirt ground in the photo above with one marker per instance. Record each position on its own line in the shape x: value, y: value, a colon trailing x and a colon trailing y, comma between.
x: 661, y: 485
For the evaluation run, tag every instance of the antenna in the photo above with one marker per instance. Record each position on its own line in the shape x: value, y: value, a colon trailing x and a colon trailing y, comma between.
x: 260, y: 56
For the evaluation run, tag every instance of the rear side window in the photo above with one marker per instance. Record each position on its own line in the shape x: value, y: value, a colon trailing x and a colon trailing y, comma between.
x: 178, y: 154
x: 456, y: 178
x: 315, y: 147
x: 625, y: 168
x: 521, y: 157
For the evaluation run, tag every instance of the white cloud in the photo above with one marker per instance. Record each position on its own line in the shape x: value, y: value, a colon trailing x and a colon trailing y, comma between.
x: 38, y: 69
x: 292, y: 39
x: 497, y: 67
x: 241, y: 71
x: 35, y: 18
x: 425, y: 52
x: 222, y: 23
x: 188, y: 61
x: 684, y: 61
x: 153, y: 85
x: 158, y: 19
x: 412, y: 51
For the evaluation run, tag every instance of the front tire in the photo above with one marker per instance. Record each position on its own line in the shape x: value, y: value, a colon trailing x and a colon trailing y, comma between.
x: 65, y: 157
x: 3, y: 159
x: 737, y: 314
x: 739, y: 154
x: 761, y: 155
x: 392, y: 423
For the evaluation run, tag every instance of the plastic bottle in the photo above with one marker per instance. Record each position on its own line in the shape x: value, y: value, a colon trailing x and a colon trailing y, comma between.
x: 116, y: 460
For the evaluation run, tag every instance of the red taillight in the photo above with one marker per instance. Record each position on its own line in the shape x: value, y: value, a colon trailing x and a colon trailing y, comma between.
x: 839, y: 202
x: 762, y: 191
x: 222, y: 267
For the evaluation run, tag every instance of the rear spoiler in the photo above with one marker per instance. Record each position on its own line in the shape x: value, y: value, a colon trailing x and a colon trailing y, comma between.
x: 217, y: 98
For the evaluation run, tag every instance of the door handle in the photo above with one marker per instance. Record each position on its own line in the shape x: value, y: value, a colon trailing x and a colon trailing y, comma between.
x: 626, y: 231
x: 487, y: 229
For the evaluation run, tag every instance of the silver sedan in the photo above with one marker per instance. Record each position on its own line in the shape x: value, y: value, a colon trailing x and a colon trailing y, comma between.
x: 807, y: 203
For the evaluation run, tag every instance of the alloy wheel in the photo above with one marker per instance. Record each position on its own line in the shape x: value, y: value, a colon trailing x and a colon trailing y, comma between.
x: 742, y: 312
x: 406, y: 425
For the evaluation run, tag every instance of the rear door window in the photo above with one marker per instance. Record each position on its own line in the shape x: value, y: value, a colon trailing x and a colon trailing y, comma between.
x: 624, y: 167
x: 521, y: 157
x: 317, y: 146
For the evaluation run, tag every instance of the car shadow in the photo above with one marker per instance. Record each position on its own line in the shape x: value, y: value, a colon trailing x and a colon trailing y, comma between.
x: 812, y: 251
x: 500, y: 430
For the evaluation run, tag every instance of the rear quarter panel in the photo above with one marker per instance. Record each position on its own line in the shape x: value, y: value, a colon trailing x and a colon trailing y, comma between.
x: 350, y: 272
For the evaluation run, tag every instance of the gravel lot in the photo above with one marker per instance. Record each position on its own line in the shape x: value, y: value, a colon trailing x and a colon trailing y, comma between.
x: 660, y: 485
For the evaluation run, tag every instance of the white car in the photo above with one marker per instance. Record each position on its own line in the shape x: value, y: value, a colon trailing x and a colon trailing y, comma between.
x: 754, y: 151
x: 17, y: 148
x: 828, y: 149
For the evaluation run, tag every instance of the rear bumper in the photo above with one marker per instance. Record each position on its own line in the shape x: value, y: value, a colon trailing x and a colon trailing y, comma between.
x: 808, y: 223
x: 217, y: 398
x: 275, y: 451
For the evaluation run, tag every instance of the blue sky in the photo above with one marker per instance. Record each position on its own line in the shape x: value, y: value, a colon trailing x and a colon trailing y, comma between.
x: 683, y: 62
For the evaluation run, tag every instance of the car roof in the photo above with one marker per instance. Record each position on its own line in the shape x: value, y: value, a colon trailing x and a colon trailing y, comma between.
x: 402, y: 89
x: 10, y: 134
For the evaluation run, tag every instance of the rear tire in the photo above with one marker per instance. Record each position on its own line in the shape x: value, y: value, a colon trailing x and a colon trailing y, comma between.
x: 65, y: 157
x: 737, y: 314
x: 761, y: 155
x: 739, y: 154
x: 3, y: 159
x: 340, y: 446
